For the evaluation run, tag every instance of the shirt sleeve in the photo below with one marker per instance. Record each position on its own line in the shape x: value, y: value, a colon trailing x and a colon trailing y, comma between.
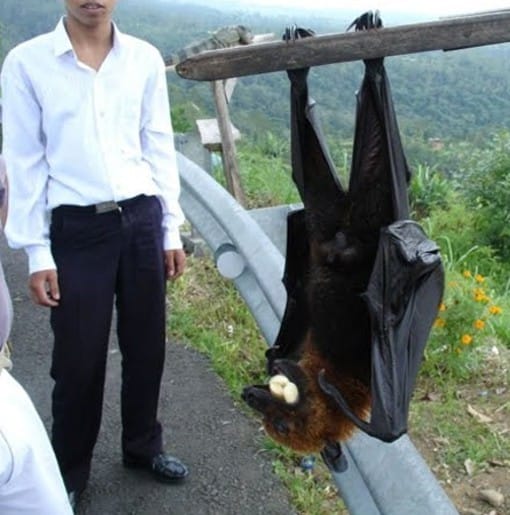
x: 6, y: 460
x: 159, y: 151
x: 27, y: 224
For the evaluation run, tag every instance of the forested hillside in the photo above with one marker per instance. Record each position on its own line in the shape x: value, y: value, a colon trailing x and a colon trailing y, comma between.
x: 461, y: 95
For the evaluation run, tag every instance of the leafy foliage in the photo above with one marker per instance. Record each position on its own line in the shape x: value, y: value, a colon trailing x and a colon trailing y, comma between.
x: 454, y: 228
x: 428, y: 190
x: 486, y: 182
x: 451, y: 96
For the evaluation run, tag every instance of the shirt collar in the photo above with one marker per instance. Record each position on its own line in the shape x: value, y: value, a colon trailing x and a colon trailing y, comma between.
x: 62, y: 43
x: 119, y: 39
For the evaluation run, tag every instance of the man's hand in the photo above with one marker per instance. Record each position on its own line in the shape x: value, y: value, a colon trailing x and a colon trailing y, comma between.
x: 44, y: 288
x: 175, y: 261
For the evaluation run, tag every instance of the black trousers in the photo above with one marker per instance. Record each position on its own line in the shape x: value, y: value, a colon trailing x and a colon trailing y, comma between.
x: 116, y: 256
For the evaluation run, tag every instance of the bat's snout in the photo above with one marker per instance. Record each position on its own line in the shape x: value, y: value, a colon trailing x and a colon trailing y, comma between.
x: 256, y: 397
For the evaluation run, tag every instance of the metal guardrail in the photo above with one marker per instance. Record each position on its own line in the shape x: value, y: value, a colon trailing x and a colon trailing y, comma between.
x: 249, y: 246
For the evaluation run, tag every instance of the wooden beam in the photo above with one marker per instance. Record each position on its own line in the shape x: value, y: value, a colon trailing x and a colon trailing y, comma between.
x: 446, y: 34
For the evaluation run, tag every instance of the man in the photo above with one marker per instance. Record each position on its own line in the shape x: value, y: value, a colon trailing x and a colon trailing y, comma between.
x: 94, y: 202
x: 30, y: 481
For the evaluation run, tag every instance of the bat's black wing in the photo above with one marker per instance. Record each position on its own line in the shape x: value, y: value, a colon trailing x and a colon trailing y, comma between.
x: 403, y: 296
x: 407, y: 279
x: 322, y: 194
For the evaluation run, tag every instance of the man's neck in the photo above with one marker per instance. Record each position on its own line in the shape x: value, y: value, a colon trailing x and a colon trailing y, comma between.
x: 90, y: 43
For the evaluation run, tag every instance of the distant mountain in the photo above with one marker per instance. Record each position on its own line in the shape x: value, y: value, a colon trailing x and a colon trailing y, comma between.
x: 279, y: 8
x: 463, y: 95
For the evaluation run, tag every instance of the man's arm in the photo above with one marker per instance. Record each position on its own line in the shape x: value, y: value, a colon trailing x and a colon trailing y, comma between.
x: 27, y: 225
x: 159, y: 151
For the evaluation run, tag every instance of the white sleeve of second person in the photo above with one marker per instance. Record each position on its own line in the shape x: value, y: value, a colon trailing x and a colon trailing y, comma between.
x: 27, y: 170
x: 159, y: 151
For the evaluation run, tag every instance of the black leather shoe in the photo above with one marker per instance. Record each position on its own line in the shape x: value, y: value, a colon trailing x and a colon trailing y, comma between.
x: 164, y: 467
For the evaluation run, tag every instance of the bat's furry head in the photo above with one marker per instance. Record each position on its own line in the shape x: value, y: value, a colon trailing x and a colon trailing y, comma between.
x: 308, y: 421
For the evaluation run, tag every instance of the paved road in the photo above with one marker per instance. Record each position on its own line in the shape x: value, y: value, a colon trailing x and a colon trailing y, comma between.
x: 229, y: 475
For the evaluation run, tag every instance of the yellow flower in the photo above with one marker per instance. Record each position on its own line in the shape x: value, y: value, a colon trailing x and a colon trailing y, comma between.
x: 466, y: 339
x: 458, y: 350
x: 479, y: 278
x: 480, y: 296
x: 439, y: 322
x: 479, y: 324
x: 495, y: 310
x: 442, y: 306
x: 466, y: 273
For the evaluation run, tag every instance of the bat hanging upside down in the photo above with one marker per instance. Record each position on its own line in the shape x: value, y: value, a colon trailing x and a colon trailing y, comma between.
x: 330, y: 333
x: 363, y: 283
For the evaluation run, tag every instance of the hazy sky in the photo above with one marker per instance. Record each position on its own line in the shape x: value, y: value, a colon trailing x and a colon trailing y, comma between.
x: 434, y: 8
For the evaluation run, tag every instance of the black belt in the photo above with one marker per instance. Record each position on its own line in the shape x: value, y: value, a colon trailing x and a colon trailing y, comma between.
x: 100, y: 207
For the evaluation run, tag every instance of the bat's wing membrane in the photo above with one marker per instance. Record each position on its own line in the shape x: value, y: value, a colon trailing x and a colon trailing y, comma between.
x: 403, y: 296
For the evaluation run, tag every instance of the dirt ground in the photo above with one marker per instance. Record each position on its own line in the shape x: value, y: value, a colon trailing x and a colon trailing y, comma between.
x: 486, y: 402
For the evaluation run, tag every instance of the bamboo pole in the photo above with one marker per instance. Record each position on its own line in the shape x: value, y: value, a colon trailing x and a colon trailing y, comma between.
x: 447, y: 34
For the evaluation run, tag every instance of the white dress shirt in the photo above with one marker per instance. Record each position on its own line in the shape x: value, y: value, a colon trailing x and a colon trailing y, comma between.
x: 74, y: 135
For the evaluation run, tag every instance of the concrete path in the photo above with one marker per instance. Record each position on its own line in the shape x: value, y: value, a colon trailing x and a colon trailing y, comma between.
x: 229, y: 475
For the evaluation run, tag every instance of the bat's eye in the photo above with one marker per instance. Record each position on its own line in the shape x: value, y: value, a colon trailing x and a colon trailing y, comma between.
x: 281, y: 426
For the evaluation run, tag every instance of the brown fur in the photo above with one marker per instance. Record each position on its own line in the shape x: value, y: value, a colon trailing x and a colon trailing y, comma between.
x: 315, y: 420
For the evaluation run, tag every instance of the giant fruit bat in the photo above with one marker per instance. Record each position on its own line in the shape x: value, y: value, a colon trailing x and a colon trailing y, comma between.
x: 363, y: 283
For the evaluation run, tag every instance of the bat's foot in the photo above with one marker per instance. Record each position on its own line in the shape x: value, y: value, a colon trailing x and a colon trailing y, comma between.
x: 368, y: 20
x: 293, y: 33
x: 334, y: 457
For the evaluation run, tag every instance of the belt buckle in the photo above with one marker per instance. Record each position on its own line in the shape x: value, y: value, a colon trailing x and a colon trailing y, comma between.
x: 106, y: 207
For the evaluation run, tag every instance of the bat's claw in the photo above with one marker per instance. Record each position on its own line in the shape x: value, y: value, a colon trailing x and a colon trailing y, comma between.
x: 293, y: 33
x: 368, y: 20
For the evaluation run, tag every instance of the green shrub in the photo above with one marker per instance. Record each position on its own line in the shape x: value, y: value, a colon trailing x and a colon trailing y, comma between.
x: 428, y: 190
x: 454, y: 228
x: 486, y: 184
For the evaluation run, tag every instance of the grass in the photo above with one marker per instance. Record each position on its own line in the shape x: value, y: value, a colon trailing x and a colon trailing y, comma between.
x: 226, y: 332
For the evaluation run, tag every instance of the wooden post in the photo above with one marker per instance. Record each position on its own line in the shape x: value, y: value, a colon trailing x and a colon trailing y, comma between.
x: 228, y: 149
